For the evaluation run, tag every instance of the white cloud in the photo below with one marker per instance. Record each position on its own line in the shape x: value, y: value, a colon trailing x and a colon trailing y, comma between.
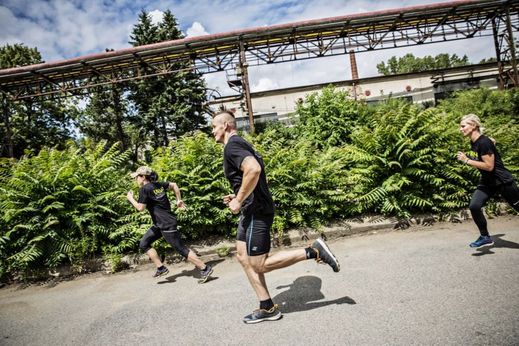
x: 217, y: 81
x: 307, y: 72
x: 156, y: 16
x: 62, y: 29
x: 265, y: 84
x: 9, y: 23
x: 196, y: 29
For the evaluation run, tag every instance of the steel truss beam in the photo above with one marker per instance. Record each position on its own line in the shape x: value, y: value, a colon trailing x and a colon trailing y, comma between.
x: 503, y: 28
x: 409, y: 26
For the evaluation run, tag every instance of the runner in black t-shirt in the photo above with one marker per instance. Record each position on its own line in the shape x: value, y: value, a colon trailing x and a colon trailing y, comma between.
x: 245, y: 170
x: 495, y: 178
x: 153, y: 196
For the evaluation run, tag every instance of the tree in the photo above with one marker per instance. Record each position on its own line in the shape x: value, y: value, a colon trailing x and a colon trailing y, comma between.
x: 18, y: 55
x: 150, y: 110
x: 168, y: 28
x: 171, y: 105
x: 409, y: 63
x: 106, y: 117
x: 144, y: 32
x: 13, y: 56
x: 31, y: 124
x: 487, y: 60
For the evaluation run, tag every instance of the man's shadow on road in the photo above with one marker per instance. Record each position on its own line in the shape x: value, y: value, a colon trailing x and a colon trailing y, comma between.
x: 498, y: 243
x: 303, y: 294
x: 195, y: 272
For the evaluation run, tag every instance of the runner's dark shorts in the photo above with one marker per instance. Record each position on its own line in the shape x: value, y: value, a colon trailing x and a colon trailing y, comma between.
x: 171, y: 236
x: 254, y: 230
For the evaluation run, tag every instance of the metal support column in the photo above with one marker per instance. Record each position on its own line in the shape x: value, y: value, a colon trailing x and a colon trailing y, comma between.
x: 500, y: 67
x: 8, y: 132
x: 246, y: 88
x: 505, y: 50
x: 511, y: 47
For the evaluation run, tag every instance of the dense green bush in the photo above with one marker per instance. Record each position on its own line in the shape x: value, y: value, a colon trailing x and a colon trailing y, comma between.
x: 343, y: 159
x: 58, y: 206
x: 404, y: 161
x: 328, y: 118
x: 306, y: 183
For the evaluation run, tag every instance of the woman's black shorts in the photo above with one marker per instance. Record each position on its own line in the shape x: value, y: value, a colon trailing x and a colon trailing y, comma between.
x: 171, y: 236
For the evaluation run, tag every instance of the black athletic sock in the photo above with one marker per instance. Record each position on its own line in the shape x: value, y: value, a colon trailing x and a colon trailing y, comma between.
x: 310, y: 252
x: 161, y: 267
x: 266, y: 304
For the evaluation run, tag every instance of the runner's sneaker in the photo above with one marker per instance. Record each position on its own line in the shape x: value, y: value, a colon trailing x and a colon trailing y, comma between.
x: 205, y: 274
x: 482, y: 240
x: 161, y: 272
x: 324, y: 254
x: 261, y: 315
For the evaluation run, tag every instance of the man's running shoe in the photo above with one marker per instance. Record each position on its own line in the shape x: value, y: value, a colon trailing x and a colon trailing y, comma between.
x: 261, y: 315
x: 205, y: 274
x: 161, y: 272
x: 482, y: 240
x: 324, y: 254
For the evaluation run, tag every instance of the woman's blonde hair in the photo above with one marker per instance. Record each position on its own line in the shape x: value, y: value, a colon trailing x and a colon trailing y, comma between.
x: 474, y: 120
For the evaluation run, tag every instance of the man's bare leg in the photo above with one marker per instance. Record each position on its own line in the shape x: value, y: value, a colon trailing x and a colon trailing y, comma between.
x: 256, y: 280
x: 267, y: 263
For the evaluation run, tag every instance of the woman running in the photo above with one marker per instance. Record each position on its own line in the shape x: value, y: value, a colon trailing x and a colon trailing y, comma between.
x: 153, y: 196
x: 495, y: 178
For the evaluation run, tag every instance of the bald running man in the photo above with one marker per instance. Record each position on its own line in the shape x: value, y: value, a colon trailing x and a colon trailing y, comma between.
x: 245, y: 170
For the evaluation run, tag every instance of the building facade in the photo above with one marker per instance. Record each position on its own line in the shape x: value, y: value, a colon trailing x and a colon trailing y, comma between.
x: 426, y: 87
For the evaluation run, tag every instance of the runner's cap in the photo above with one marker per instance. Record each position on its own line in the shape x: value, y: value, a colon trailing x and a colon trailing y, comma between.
x: 142, y: 170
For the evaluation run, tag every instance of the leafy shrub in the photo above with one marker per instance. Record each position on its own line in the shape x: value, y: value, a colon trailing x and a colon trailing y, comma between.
x: 328, y: 118
x: 59, y: 206
x: 306, y: 183
x: 403, y: 161
x: 116, y: 262
x: 341, y: 160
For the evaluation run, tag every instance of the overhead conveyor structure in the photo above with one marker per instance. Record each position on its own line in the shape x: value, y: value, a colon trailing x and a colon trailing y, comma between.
x: 236, y: 50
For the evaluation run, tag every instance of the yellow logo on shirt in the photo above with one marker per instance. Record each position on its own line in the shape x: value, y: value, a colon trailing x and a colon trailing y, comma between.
x: 158, y: 191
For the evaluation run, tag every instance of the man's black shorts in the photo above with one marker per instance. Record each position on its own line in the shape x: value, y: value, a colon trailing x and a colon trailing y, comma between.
x: 254, y: 230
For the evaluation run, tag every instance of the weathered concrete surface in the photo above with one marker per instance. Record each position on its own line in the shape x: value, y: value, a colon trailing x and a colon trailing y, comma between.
x: 422, y: 286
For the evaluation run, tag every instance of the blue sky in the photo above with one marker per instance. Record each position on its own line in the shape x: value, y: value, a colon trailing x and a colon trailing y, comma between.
x: 64, y: 29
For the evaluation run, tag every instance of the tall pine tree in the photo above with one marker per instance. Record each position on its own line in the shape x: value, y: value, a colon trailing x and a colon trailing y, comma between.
x: 171, y: 105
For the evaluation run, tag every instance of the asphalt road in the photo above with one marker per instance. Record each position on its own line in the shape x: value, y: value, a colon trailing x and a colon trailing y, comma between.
x: 422, y: 286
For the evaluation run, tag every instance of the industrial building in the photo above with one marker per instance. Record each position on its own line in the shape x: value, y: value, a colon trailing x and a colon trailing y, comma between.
x: 426, y: 87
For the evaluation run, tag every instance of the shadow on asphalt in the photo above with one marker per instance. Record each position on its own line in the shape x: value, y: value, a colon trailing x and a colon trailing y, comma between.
x: 195, y: 272
x: 303, y: 294
x: 498, y: 243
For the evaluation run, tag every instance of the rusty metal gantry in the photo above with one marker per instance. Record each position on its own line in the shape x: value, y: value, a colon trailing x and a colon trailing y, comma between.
x: 455, y: 20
